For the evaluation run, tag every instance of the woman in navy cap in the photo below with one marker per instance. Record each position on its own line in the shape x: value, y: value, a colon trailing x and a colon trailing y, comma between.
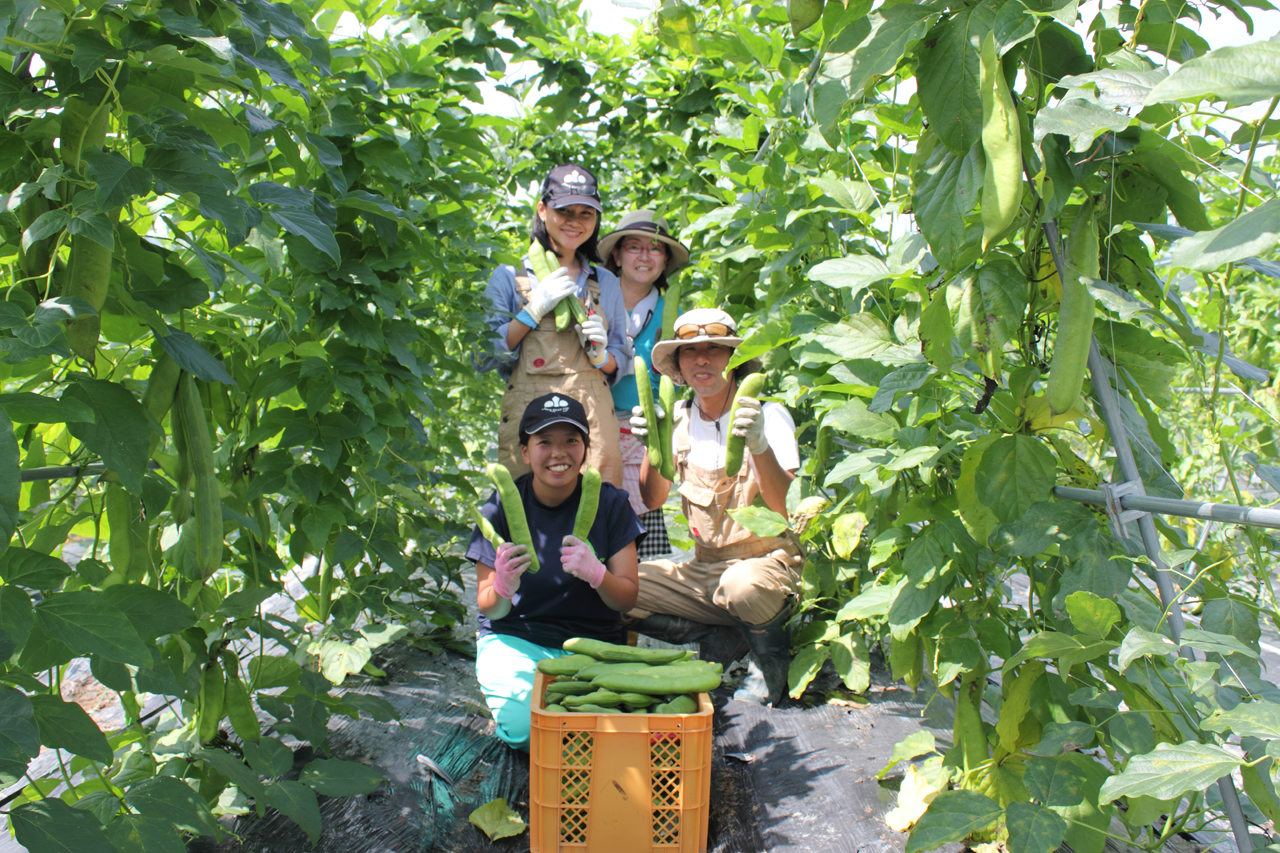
x: 583, y: 360
x: 581, y: 588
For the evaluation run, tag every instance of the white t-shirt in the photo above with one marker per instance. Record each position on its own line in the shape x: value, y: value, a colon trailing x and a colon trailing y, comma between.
x: 707, y: 446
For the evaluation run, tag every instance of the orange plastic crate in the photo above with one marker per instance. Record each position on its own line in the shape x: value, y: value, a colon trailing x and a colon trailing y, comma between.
x: 618, y: 783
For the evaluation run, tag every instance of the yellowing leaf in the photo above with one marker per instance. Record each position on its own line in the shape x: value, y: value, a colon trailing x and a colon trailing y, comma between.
x: 496, y: 820
x: 913, y: 798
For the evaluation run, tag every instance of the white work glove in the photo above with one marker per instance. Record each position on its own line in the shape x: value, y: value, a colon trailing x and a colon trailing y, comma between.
x: 545, y: 295
x: 592, y: 336
x: 748, y: 423
x: 639, y: 425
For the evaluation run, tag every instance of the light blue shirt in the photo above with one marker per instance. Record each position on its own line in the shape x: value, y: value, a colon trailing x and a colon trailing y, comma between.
x: 507, y: 303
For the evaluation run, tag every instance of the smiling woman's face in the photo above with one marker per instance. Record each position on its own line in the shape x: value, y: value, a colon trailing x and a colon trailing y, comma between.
x: 640, y: 260
x: 568, y: 227
x: 702, y: 366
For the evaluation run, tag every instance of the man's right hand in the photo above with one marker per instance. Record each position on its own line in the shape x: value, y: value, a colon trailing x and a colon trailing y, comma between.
x: 511, y: 563
x: 639, y: 424
x: 545, y: 295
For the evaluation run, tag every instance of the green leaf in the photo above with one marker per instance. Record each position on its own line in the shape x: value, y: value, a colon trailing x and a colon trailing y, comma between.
x: 1117, y: 87
x: 175, y: 801
x: 10, y: 481
x: 1237, y: 75
x: 46, y: 225
x: 989, y: 306
x: 120, y: 434
x: 118, y: 180
x: 52, y: 826
x: 1254, y: 233
x: 24, y: 407
x: 1170, y: 771
x: 65, y: 725
x: 912, y: 746
x: 194, y: 358
x: 16, y: 620
x: 1080, y: 120
x: 1232, y: 617
x: 19, y: 736
x: 846, y: 532
x: 853, y: 271
x: 1222, y: 644
x: 951, y: 818
x: 936, y: 331
x: 891, y: 30
x: 496, y: 820
x: 153, y: 613
x: 910, y: 605
x: 1060, y: 738
x: 761, y: 521
x: 31, y: 569
x: 1258, y: 718
x: 851, y: 195
x: 269, y: 756
x: 240, y: 774
x: 854, y: 419
x: 1033, y: 829
x: 140, y: 834
x: 874, y: 601
x: 1131, y: 731
x: 338, y: 778
x: 306, y: 224
x: 1016, y: 472
x: 1139, y: 643
x: 268, y: 671
x: 947, y: 189
x: 948, y: 77
x: 908, y: 378
x: 1092, y: 615
x: 87, y: 623
x: 298, y: 803
x: 805, y: 667
x: 339, y: 659
x: 849, y: 656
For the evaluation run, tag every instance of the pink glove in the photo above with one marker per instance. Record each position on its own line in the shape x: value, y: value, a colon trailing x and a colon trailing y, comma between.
x: 511, y: 563
x: 579, y: 560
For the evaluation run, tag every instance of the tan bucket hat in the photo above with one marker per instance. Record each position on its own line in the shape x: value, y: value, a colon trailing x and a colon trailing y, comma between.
x: 646, y: 223
x: 703, y: 326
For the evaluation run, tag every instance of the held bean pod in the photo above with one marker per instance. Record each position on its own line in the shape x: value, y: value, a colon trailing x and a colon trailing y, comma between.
x: 736, y: 447
x: 517, y: 523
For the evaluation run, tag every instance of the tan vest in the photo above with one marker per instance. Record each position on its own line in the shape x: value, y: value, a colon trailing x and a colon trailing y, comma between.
x: 552, y: 360
x: 709, y: 495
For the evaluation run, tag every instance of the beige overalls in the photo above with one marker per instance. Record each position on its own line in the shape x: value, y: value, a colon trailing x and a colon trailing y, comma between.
x: 735, y: 574
x: 555, y: 361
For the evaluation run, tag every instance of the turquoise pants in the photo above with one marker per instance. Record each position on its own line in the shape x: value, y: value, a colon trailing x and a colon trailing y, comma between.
x: 505, y: 667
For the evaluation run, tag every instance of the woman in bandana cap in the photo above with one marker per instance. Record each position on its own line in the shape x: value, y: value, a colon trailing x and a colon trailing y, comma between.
x: 583, y: 360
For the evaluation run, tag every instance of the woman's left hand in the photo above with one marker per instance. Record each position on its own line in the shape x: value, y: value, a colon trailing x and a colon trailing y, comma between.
x: 579, y: 560
x: 748, y: 423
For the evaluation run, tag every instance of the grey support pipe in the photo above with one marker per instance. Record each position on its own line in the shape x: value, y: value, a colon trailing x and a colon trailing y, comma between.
x: 1228, y: 513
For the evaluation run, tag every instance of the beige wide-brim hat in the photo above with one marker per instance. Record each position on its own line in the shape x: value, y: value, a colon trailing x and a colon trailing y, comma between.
x: 665, y: 353
x: 646, y: 223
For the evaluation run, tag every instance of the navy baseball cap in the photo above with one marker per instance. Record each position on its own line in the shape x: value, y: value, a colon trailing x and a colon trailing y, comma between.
x: 553, y: 409
x: 571, y: 184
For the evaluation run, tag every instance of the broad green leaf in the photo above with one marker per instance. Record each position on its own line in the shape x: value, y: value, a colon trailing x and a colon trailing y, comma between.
x: 854, y: 419
x: 65, y: 725
x: 946, y: 188
x: 27, y: 408
x: 1046, y: 644
x: 16, y: 619
x: 496, y: 820
x: 1237, y: 75
x: 31, y: 569
x: 978, y: 520
x: 988, y: 303
x: 240, y: 774
x: 1254, y: 233
x: 121, y: 432
x: 268, y: 671
x: 47, y: 225
x: 1131, y: 731
x: 1017, y: 704
x: 912, y: 746
x: 52, y: 826
x: 298, y: 803
x: 1222, y: 644
x: 19, y: 736
x: 1140, y: 643
x: 1016, y: 472
x: 908, y: 378
x: 86, y: 622
x: 1033, y: 829
x: 1258, y: 718
x: 892, y: 29
x: 805, y: 666
x: 375, y: 706
x: 851, y: 195
x: 140, y: 834
x: 10, y: 482
x: 118, y: 180
x: 306, y: 224
x: 338, y: 778
x: 910, y: 605
x: 378, y: 634
x: 863, y: 335
x: 761, y: 521
x: 951, y: 818
x: 269, y: 756
x: 936, y: 331
x: 1092, y: 615
x: 1170, y: 771
x: 872, y: 602
x: 175, y: 801
x: 852, y: 664
x: 1118, y: 87
x: 1060, y: 738
x: 194, y: 358
x: 1056, y: 782
x: 948, y: 76
x: 153, y: 613
x: 846, y: 533
x: 853, y: 271
x: 1232, y: 617
x: 1080, y: 120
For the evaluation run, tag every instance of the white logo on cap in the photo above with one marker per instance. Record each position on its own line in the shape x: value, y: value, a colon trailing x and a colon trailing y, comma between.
x: 575, y: 177
x: 556, y: 404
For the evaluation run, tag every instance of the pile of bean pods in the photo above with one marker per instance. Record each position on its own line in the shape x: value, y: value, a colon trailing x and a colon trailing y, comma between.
x: 604, y: 678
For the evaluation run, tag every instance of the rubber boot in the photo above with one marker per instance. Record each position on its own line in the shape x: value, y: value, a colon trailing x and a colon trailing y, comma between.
x: 722, y: 644
x: 766, y: 681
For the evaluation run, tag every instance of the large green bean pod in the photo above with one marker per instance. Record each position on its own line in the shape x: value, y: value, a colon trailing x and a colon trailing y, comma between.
x: 564, y: 667
x: 1075, y: 315
x: 514, y: 510
x: 670, y: 310
x: 613, y: 652
x: 588, y: 504
x: 682, y: 704
x: 161, y: 386
x: 486, y: 529
x: 88, y: 271
x: 653, y: 441
x: 206, y: 497
x: 120, y: 536
x: 666, y: 426
x: 212, y: 697
x: 659, y: 681
x: 736, y: 447
x: 605, y: 698
x: 1002, y: 144
x: 180, y: 506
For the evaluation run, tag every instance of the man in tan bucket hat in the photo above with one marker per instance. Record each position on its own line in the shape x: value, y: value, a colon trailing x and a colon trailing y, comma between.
x: 735, y: 594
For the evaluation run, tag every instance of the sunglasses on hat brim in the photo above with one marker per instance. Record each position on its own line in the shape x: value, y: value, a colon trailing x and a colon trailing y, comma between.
x: 714, y: 330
